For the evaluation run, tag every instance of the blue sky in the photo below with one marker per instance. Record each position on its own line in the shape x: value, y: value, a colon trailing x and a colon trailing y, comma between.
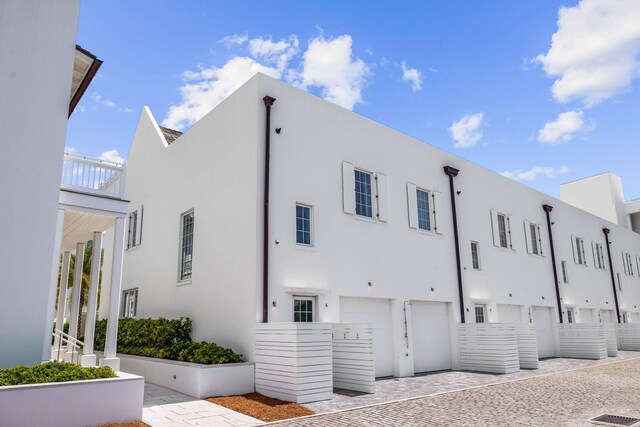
x: 460, y: 75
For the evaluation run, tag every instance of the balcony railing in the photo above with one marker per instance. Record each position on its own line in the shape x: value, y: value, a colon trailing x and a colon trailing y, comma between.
x: 93, y: 176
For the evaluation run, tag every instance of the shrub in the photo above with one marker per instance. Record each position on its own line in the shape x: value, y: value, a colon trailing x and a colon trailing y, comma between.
x: 52, y: 372
x: 164, y: 339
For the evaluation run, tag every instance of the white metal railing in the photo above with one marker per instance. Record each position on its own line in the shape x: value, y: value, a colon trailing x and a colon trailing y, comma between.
x: 94, y: 176
x: 72, y: 345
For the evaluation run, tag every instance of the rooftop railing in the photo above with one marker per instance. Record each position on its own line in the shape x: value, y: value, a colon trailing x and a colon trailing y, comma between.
x: 93, y: 176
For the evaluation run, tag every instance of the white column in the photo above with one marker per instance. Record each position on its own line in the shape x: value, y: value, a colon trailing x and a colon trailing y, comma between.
x: 53, y: 284
x: 71, y: 354
x: 58, y: 348
x: 88, y: 358
x: 110, y: 358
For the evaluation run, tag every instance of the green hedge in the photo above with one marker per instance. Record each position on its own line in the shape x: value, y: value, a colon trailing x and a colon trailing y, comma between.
x: 164, y: 339
x: 52, y: 372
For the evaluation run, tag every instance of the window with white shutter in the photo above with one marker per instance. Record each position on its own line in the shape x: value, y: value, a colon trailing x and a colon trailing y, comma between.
x: 348, y: 188
x: 412, y: 205
x: 134, y: 232
x: 382, y: 197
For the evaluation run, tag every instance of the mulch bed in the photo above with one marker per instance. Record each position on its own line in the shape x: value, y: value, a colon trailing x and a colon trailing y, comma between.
x: 262, y: 407
x: 131, y: 424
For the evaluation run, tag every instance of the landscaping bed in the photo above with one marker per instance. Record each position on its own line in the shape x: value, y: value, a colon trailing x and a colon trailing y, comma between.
x: 131, y: 424
x: 52, y: 372
x: 262, y: 407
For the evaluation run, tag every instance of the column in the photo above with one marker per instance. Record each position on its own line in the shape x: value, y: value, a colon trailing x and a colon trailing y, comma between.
x: 88, y: 358
x: 110, y: 358
x: 58, y: 347
x: 71, y: 353
x: 53, y: 284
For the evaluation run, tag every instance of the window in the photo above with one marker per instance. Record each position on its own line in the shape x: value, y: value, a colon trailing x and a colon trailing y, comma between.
x: 533, y: 230
x: 303, y: 225
x: 363, y: 194
x: 481, y: 312
x: 578, y: 251
x: 565, y: 273
x: 134, y: 235
x: 598, y: 256
x: 424, y: 220
x: 502, y: 230
x: 619, y: 282
x: 303, y: 309
x: 475, y: 255
x: 129, y: 303
x: 569, y: 315
x: 628, y: 263
x: 186, y: 246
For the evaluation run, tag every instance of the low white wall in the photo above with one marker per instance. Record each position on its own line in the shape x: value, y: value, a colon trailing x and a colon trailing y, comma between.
x: 192, y: 378
x: 73, y: 403
x: 629, y: 336
x: 488, y: 347
x: 611, y: 336
x: 582, y: 340
x: 527, y: 345
x: 294, y: 361
x: 353, y: 361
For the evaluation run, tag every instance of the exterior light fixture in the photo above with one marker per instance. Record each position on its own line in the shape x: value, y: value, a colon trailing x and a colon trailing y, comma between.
x: 274, y: 304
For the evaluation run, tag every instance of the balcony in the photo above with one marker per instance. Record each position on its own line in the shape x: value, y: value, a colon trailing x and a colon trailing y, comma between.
x: 93, y: 176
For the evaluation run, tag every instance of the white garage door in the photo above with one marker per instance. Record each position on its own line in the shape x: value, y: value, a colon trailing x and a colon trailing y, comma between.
x: 607, y: 316
x: 543, y: 320
x: 378, y: 313
x: 430, y: 336
x: 509, y: 313
x: 634, y: 317
x: 586, y: 315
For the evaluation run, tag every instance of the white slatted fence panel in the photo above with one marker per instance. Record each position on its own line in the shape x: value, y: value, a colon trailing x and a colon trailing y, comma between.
x: 582, y: 340
x: 611, y: 336
x: 353, y: 360
x: 488, y: 347
x: 629, y: 336
x: 527, y: 345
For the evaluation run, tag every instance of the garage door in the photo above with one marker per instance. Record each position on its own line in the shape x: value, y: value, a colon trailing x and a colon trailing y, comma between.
x: 430, y: 336
x: 586, y: 315
x: 378, y: 313
x: 543, y: 320
x: 634, y: 317
x: 509, y: 313
x: 607, y: 316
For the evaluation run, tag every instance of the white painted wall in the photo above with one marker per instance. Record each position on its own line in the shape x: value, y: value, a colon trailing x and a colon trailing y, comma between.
x: 601, y: 195
x: 37, y: 44
x: 217, y: 167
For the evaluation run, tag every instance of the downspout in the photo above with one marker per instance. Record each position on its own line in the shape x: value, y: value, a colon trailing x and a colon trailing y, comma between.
x: 451, y: 173
x: 548, y: 209
x: 268, y: 102
x: 613, y: 279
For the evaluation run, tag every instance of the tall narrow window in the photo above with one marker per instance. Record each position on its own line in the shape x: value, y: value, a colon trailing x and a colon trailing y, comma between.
x: 135, y: 228
x: 186, y: 246
x: 619, y: 282
x: 303, y: 309
x: 599, y: 258
x: 481, y: 313
x: 129, y: 303
x: 303, y: 225
x: 502, y: 230
x: 533, y: 229
x: 475, y: 255
x: 363, y: 194
x: 579, y: 251
x: 569, y: 315
x: 565, y: 273
x: 424, y: 220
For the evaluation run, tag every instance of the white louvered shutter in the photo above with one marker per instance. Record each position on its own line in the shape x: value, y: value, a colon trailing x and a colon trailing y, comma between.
x: 539, y: 241
x: 495, y: 228
x: 510, y: 231
x: 139, y: 226
x: 527, y: 236
x: 348, y: 188
x: 596, y: 260
x: 382, y: 195
x: 438, y: 220
x: 575, y: 249
x: 412, y: 205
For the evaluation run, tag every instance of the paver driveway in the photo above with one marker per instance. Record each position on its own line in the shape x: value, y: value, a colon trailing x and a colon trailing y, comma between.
x: 562, y: 399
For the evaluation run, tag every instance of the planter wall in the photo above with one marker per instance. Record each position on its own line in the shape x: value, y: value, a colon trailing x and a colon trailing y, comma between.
x: 629, y: 336
x: 191, y: 378
x: 488, y: 347
x: 353, y: 362
x: 294, y: 361
x: 582, y: 340
x: 73, y: 403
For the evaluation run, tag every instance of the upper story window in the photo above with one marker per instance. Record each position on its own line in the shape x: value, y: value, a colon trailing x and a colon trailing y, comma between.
x: 303, y: 309
x: 475, y: 255
x: 578, y: 250
x: 628, y: 263
x: 424, y: 215
x: 501, y: 225
x: 364, y: 206
x: 565, y: 273
x: 134, y: 233
x: 598, y: 256
x: 303, y: 225
x: 502, y: 230
x: 129, y: 303
x: 186, y: 246
x: 481, y: 313
x: 619, y: 282
x: 533, y: 238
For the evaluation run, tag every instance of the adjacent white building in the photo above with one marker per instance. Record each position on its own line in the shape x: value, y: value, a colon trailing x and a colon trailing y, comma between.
x: 360, y: 228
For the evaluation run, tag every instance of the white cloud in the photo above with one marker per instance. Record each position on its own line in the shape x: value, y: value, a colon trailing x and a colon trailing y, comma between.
x: 467, y: 131
x: 532, y: 174
x: 278, y: 53
x: 594, y: 52
x: 564, y: 128
x: 111, y: 156
x: 98, y: 99
x: 70, y: 150
x: 328, y: 64
x: 234, y: 39
x: 207, y: 87
x: 413, y: 76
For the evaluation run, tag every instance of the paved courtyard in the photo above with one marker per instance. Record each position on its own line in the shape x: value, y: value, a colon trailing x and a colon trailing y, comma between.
x: 568, y: 398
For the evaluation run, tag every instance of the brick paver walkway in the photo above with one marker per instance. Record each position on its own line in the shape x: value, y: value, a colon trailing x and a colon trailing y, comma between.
x: 568, y: 398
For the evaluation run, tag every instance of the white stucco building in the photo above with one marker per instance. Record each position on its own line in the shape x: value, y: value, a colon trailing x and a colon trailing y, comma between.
x: 361, y: 228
